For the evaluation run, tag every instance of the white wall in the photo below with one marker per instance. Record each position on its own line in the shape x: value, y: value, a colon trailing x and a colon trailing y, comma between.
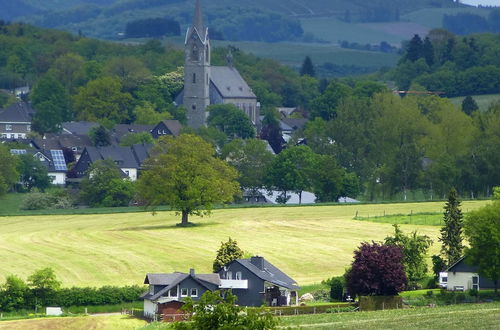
x: 132, y: 173
x: 460, y: 279
x: 150, y: 308
x: 59, y: 178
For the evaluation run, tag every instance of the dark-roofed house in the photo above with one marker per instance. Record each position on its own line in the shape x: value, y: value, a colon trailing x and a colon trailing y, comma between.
x: 119, y: 131
x: 167, y: 291
x: 205, y: 84
x: 75, y: 143
x: 128, y: 159
x: 52, y: 159
x: 256, y: 281
x: 15, y: 121
x: 167, y: 127
x: 463, y: 275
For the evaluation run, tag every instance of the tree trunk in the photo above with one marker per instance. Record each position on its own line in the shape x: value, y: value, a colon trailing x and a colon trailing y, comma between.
x: 300, y: 197
x: 185, y: 215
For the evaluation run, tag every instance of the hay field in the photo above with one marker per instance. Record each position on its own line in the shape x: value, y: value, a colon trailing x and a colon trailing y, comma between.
x: 309, y: 243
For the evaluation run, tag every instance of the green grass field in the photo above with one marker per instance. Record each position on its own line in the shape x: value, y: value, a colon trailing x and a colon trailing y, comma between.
x: 112, y: 322
x: 481, y: 316
x: 483, y: 101
x: 309, y: 243
x: 433, y: 17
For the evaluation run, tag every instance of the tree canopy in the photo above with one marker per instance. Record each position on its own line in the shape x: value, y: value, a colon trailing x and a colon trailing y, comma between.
x: 227, y: 252
x: 184, y: 173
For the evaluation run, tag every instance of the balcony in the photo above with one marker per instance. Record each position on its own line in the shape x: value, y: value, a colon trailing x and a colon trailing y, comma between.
x: 233, y: 284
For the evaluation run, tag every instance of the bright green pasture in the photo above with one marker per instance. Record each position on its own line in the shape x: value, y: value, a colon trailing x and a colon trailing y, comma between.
x: 483, y: 101
x: 110, y: 322
x: 309, y: 243
x: 481, y: 316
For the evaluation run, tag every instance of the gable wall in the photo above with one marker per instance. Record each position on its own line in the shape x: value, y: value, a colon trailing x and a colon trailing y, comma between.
x: 253, y: 296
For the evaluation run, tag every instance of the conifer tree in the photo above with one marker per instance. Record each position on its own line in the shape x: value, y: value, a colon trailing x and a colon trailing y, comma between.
x: 415, y: 48
x: 428, y: 51
x: 469, y: 105
x: 451, y: 233
x: 227, y: 252
x: 307, y: 68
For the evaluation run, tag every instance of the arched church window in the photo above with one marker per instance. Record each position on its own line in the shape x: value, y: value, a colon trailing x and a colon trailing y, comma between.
x: 195, y: 54
x: 194, y: 78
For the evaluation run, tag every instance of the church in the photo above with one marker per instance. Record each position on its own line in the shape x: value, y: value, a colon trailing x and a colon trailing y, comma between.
x: 205, y: 85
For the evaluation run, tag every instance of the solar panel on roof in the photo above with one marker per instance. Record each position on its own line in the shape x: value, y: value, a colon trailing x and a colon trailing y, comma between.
x: 58, y: 159
x: 17, y: 151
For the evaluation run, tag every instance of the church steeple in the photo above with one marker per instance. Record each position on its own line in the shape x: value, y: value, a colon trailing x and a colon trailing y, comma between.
x: 198, y: 19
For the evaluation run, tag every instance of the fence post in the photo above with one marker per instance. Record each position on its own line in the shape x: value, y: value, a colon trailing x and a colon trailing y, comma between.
x: 383, y: 305
x: 86, y: 310
x: 314, y: 310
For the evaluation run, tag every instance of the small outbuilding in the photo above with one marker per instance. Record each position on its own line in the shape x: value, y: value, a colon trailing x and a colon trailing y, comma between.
x: 463, y: 275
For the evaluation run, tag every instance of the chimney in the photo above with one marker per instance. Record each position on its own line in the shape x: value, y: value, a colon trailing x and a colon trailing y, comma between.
x: 258, y: 262
x: 191, y: 272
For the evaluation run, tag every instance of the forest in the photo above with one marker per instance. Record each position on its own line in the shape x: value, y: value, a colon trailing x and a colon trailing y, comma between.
x: 387, y: 146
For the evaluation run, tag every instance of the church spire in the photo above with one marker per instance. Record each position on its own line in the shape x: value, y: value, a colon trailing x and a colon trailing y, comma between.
x: 198, y: 18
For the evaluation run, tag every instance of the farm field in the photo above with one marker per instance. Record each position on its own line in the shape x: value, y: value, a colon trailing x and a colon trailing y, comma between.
x: 480, y: 316
x: 310, y: 243
x: 483, y: 101
x: 76, y: 323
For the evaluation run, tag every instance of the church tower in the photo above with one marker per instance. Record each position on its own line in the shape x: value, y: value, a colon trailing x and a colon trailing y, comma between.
x: 197, y: 70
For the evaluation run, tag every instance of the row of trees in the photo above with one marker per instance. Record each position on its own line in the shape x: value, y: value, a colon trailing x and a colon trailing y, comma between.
x: 467, y: 23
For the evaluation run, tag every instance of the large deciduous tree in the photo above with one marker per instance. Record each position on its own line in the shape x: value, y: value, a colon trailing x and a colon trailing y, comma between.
x: 252, y: 159
x: 414, y: 248
x: 227, y: 252
x: 451, y: 233
x: 230, y: 120
x: 184, y: 173
x: 52, y: 104
x: 377, y: 270
x: 103, y: 101
x: 482, y: 229
x: 105, y: 186
x: 34, y: 174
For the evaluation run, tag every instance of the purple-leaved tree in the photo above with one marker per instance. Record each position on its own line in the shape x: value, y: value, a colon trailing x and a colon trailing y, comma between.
x: 377, y: 270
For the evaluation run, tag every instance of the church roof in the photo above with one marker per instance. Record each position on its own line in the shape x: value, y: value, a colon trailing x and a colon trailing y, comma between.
x: 230, y: 83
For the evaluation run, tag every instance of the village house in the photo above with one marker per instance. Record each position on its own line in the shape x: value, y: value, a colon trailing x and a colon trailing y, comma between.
x: 52, y: 159
x: 254, y: 281
x: 463, y: 276
x: 15, y: 121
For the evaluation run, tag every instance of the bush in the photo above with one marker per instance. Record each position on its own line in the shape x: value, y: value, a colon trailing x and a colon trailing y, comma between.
x: 58, y: 199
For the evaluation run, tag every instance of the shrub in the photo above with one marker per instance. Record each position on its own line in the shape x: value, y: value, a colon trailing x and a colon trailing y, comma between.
x: 37, y: 201
x: 337, y: 289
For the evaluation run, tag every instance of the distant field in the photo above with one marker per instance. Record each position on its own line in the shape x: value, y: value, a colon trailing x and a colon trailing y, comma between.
x: 433, y: 17
x: 332, y: 30
x: 309, y: 243
x: 480, y: 316
x: 293, y: 53
x: 483, y: 101
x: 77, y: 323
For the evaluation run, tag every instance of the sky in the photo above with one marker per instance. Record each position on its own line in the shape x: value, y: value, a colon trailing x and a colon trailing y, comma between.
x: 482, y: 2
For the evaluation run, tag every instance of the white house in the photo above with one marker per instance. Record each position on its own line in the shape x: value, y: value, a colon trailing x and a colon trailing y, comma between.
x: 463, y: 276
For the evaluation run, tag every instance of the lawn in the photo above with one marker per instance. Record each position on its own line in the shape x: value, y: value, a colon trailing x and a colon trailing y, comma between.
x: 483, y: 101
x: 430, y: 219
x: 469, y: 316
x: 121, y: 322
x: 310, y: 243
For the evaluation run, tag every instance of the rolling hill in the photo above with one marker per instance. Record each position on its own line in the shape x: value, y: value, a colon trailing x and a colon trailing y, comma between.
x: 309, y: 243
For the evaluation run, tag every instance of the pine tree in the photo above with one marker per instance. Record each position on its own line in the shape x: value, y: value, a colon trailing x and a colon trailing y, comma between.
x: 428, y: 51
x: 307, y: 68
x: 469, y: 105
x: 415, y: 48
x: 451, y: 233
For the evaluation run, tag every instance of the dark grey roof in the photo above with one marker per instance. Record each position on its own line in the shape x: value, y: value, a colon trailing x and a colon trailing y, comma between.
x: 55, y: 141
x: 462, y: 265
x: 122, y: 156
x: 120, y: 130
x: 141, y: 152
x: 230, y: 83
x: 171, y: 280
x: 174, y: 126
x: 46, y: 158
x: 78, y: 128
x: 270, y: 273
x: 295, y: 123
x: 17, y: 113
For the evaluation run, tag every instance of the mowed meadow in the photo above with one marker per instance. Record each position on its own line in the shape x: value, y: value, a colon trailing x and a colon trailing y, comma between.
x: 310, y: 243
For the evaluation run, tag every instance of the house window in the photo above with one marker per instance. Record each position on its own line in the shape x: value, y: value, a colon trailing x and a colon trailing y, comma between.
x: 444, y: 279
x: 172, y: 292
x: 127, y: 172
x: 194, y: 292
x: 8, y: 127
x: 229, y: 275
x: 184, y: 292
x: 74, y: 149
x: 475, y: 282
x: 238, y: 275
